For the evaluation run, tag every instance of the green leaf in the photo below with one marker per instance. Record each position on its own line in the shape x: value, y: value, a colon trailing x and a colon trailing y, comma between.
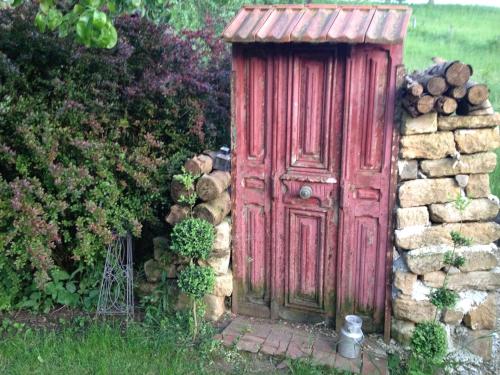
x: 83, y: 30
x: 108, y: 37
x: 41, y: 22
x: 136, y: 3
x: 59, y: 275
x: 54, y: 19
x: 46, y: 5
x: 99, y: 19
x: 70, y: 287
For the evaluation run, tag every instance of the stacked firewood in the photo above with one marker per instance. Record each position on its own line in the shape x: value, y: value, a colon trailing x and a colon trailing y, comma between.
x: 214, y: 205
x: 446, y: 88
x: 211, y: 188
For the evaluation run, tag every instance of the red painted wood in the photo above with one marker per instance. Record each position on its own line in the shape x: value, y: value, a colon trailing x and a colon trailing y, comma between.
x: 320, y: 116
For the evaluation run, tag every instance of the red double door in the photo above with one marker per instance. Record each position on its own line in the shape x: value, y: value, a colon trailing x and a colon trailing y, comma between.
x: 312, y: 136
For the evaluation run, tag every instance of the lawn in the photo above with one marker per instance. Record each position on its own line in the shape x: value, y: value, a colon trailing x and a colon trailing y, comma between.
x: 97, y: 348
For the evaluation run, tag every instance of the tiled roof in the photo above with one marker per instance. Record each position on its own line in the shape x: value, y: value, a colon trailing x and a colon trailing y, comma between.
x: 314, y: 23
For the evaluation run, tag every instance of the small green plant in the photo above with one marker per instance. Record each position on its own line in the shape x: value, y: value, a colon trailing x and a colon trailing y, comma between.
x: 428, y: 341
x: 188, y: 181
x: 443, y: 298
x: 459, y: 239
x: 453, y: 260
x: 193, y: 238
x: 196, y: 281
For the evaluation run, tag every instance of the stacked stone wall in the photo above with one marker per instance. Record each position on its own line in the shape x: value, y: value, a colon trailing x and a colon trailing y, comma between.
x: 440, y: 159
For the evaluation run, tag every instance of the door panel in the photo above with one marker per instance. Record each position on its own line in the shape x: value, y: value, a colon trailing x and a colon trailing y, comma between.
x: 366, y: 178
x: 307, y: 237
x: 252, y: 111
x: 306, y: 255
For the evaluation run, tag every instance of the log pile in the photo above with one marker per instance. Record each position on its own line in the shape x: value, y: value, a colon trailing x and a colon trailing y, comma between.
x: 214, y: 206
x: 446, y: 88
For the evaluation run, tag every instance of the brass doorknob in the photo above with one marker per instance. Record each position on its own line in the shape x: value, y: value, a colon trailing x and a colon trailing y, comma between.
x: 305, y: 192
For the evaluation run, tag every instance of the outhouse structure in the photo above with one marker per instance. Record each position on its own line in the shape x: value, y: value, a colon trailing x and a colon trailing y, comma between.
x: 314, y: 149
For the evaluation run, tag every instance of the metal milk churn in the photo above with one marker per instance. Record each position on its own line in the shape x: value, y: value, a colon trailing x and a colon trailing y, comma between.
x: 351, y: 337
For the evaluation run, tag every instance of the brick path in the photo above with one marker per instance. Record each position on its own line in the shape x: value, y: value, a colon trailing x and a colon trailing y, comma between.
x: 278, y: 339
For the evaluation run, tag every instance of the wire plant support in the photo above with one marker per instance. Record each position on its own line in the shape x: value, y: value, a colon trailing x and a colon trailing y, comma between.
x: 116, y: 296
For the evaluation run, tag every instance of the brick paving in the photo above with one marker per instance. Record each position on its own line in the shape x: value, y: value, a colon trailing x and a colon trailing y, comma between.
x: 281, y: 340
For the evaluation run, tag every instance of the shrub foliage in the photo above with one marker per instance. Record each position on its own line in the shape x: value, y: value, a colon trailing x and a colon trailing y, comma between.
x: 429, y: 341
x: 193, y: 238
x: 89, y: 140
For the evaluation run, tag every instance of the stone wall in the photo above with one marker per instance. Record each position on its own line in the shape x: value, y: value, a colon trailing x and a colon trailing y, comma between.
x: 164, y: 261
x: 440, y: 158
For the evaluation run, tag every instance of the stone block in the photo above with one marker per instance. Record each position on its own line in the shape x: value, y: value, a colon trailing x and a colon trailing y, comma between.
x: 223, y: 285
x: 478, y: 186
x: 482, y: 316
x: 427, y: 146
x: 405, y: 281
x: 470, y: 141
x: 160, y: 247
x: 152, y: 270
x: 484, y: 162
x: 402, y: 330
x: 419, y: 125
x: 407, y: 169
x: 478, y: 280
x: 214, y: 307
x: 462, y: 180
x: 468, y: 122
x: 222, y: 242
x: 414, y: 237
x: 427, y: 191
x: 414, y: 311
x: 478, y: 210
x: 452, y: 316
x: 479, y: 342
x: 412, y: 216
x: 145, y: 289
x: 431, y: 258
x: 220, y: 264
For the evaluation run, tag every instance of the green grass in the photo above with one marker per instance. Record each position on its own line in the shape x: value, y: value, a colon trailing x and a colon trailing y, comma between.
x: 467, y: 33
x: 107, y: 349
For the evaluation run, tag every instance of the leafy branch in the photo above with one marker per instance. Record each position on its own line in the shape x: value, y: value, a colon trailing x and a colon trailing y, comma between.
x: 90, y: 21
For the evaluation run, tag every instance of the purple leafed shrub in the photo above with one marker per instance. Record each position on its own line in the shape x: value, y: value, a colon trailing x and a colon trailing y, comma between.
x: 89, y: 140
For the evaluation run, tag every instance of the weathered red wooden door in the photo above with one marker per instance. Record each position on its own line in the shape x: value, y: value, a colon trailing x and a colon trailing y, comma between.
x: 366, y: 181
x: 312, y: 119
x: 309, y: 140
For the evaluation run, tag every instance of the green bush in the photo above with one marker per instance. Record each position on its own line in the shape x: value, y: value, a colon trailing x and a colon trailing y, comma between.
x: 428, y: 341
x: 193, y: 238
x: 443, y: 298
x: 196, y: 281
x: 89, y: 142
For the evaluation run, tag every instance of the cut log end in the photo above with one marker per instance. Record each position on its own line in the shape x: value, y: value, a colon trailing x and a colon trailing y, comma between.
x: 210, y: 186
x: 199, y: 165
x: 214, y: 211
x: 446, y: 105
x: 418, y: 106
x: 477, y: 93
x: 457, y: 74
x: 457, y: 92
x: 436, y: 86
